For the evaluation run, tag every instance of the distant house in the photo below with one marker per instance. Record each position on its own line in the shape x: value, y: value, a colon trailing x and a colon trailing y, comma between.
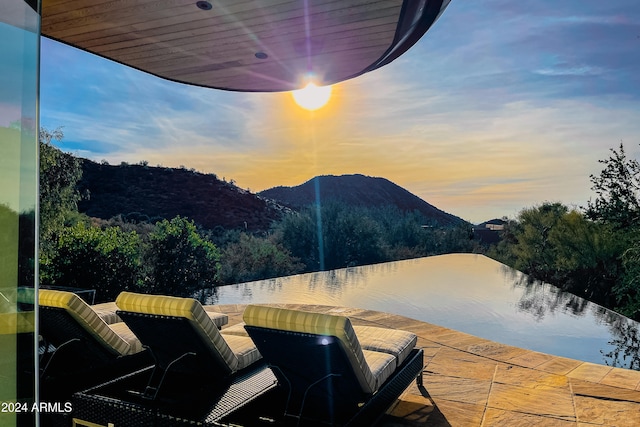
x: 489, y: 232
x: 495, y: 227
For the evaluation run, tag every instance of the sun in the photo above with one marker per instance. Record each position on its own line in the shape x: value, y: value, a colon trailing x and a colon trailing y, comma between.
x: 312, y: 97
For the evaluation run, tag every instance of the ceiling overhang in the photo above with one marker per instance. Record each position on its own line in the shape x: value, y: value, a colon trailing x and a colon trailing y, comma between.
x: 244, y: 45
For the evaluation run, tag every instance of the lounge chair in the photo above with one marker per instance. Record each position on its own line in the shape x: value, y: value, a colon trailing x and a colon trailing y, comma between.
x: 78, y: 348
x: 199, y: 376
x: 199, y: 373
x: 174, y: 328
x: 326, y: 374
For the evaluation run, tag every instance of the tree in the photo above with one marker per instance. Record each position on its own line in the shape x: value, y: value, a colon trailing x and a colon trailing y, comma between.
x: 107, y: 260
x: 181, y: 261
x: 299, y: 234
x: 551, y: 243
x: 535, y: 252
x: 59, y: 175
x: 351, y: 237
x: 587, y: 257
x: 618, y: 191
x: 332, y: 236
x: 618, y: 205
x: 254, y: 258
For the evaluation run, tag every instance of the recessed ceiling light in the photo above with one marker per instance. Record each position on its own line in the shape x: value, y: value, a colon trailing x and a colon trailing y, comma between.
x: 204, y: 5
x: 261, y: 55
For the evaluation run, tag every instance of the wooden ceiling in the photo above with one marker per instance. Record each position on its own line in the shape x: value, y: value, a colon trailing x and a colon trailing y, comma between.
x: 244, y: 45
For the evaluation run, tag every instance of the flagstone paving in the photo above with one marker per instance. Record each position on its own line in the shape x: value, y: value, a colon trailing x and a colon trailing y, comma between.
x: 470, y: 381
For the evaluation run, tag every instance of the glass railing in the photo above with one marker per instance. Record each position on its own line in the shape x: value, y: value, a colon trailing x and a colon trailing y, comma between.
x: 19, y: 68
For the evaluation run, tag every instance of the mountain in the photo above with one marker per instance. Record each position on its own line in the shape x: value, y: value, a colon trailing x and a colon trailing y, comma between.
x: 357, y: 190
x: 145, y: 192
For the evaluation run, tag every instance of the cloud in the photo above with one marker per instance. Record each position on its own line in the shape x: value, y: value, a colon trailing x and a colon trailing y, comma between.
x: 500, y: 106
x: 18, y: 69
x: 571, y: 71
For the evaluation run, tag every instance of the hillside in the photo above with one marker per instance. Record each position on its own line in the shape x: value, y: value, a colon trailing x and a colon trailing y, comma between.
x: 141, y: 191
x: 357, y: 190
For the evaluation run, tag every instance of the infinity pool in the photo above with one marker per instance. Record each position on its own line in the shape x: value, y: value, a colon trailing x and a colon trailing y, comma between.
x: 467, y: 292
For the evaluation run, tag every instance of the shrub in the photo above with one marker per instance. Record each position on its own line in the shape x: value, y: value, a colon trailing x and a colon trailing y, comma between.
x: 254, y: 258
x: 180, y: 260
x: 107, y: 260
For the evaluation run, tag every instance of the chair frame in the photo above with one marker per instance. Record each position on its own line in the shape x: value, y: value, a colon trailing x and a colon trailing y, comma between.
x: 187, y: 356
x: 71, y: 358
x: 332, y: 394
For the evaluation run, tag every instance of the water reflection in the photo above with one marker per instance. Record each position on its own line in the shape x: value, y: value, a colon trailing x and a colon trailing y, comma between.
x: 626, y: 351
x: 467, y: 292
x: 539, y: 298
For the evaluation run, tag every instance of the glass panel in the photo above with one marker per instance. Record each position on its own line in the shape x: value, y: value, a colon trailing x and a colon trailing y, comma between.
x: 19, y: 50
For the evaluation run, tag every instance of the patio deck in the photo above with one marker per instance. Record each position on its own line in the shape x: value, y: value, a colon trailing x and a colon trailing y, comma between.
x: 470, y: 381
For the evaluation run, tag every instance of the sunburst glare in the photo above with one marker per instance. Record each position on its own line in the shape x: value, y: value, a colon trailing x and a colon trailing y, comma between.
x: 312, y: 97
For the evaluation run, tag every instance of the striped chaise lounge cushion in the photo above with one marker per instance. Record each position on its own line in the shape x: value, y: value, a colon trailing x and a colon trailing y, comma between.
x: 371, y: 368
x: 116, y: 338
x: 107, y: 311
x: 236, y: 352
x: 392, y: 341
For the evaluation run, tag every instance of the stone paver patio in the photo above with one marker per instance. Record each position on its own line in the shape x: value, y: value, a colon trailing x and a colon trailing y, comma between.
x: 470, y: 381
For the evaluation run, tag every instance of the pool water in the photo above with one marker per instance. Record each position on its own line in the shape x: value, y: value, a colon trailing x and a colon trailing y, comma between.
x: 466, y: 292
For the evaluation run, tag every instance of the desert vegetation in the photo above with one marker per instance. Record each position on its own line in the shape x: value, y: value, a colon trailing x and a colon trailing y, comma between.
x: 591, y: 251
x: 177, y: 256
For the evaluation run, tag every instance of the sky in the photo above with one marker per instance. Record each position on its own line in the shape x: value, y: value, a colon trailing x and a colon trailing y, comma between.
x: 501, y: 106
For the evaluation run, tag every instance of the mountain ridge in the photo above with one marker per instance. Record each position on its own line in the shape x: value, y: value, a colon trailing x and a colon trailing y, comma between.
x: 146, y: 193
x: 357, y: 190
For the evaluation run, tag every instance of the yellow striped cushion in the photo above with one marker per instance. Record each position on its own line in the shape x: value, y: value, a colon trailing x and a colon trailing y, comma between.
x: 237, y: 329
x: 320, y: 324
x: 188, y: 308
x: 244, y: 349
x: 382, y: 365
x: 17, y: 323
x: 107, y: 312
x: 127, y: 334
x: 392, y: 341
x: 86, y: 317
x: 220, y: 319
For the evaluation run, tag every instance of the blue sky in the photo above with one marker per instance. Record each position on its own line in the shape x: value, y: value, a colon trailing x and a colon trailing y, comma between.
x: 502, y: 105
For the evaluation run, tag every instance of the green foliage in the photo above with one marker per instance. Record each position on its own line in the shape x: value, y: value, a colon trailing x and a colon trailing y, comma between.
x: 338, y: 235
x: 107, y: 260
x: 535, y: 252
x: 588, y: 255
x: 351, y: 237
x: 59, y: 175
x: 332, y: 237
x: 618, y: 206
x: 253, y: 258
x: 454, y: 239
x: 298, y: 233
x: 181, y: 260
x: 618, y: 191
x: 563, y: 247
x: 595, y: 255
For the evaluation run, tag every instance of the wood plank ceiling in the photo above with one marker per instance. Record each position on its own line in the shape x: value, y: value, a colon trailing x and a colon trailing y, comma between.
x: 245, y: 45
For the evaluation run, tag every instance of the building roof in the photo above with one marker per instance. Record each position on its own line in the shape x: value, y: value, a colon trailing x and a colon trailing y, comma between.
x: 244, y: 45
